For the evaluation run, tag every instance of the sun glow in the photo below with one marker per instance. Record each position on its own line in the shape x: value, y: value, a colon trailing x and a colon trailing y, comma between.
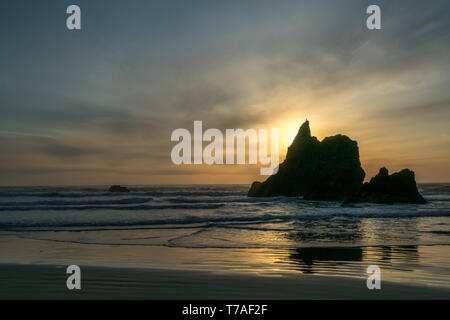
x: 291, y: 136
x: 289, y: 129
x: 288, y: 133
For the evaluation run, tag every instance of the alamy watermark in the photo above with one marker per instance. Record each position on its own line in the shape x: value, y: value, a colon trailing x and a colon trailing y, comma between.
x: 74, y: 280
x: 373, y: 22
x: 73, y: 21
x: 221, y: 147
x: 374, y: 278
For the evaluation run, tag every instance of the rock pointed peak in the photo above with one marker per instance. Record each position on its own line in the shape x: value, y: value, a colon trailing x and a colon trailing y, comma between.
x: 303, y: 133
x: 383, y: 172
x: 303, y: 136
x: 304, y: 130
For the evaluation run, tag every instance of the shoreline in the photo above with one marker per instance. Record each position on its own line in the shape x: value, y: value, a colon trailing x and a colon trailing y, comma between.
x: 35, y: 281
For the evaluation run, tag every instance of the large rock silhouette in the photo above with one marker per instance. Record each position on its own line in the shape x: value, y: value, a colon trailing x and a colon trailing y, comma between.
x: 318, y: 170
x: 331, y: 170
x: 399, y: 187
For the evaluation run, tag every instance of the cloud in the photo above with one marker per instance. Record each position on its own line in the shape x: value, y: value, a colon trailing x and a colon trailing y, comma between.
x: 110, y: 98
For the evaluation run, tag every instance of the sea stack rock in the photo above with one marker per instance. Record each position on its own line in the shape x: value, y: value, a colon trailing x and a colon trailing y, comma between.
x: 399, y: 187
x: 117, y: 188
x: 317, y: 170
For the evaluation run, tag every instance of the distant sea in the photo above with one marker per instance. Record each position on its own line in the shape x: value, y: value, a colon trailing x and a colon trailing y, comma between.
x: 218, y: 228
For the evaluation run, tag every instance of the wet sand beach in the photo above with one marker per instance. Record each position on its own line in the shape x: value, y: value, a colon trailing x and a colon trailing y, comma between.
x: 49, y: 282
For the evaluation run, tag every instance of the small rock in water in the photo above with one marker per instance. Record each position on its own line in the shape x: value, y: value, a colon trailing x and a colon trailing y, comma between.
x: 117, y: 188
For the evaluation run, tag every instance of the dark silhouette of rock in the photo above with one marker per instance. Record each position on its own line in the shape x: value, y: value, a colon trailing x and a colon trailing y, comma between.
x: 117, y: 188
x: 326, y: 170
x: 331, y: 170
x: 399, y: 187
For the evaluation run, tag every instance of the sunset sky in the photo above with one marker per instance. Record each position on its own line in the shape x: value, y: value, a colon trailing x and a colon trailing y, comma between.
x: 98, y: 106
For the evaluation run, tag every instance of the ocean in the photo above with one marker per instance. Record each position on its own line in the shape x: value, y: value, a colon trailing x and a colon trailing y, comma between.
x: 218, y: 228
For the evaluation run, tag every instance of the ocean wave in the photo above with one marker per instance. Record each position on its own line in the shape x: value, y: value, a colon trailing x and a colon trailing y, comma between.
x: 60, y: 194
x: 75, y: 203
x: 435, y: 188
x: 143, y: 222
x: 9, y: 194
x: 102, y: 207
x: 214, y: 220
x: 438, y: 197
x: 439, y: 232
x: 231, y: 245
x: 217, y: 200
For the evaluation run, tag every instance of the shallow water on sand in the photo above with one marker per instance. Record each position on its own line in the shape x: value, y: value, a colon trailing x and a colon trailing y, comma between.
x: 219, y: 228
